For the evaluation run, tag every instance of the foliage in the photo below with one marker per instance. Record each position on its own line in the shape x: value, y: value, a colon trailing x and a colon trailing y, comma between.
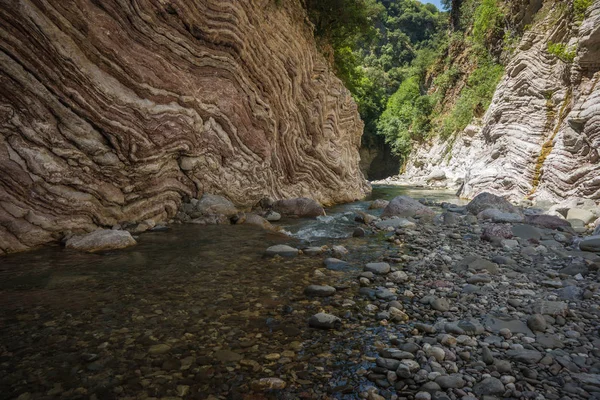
x: 475, y: 97
x: 580, y: 7
x: 487, y: 22
x: 562, y: 51
x: 341, y: 25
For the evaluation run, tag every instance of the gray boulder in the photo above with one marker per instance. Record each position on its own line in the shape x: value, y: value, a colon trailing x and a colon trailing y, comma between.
x: 404, y: 206
x: 210, y: 204
x: 499, y: 216
x: 100, y: 240
x: 299, y: 207
x: 485, y: 200
x: 584, y: 215
x: 590, y: 243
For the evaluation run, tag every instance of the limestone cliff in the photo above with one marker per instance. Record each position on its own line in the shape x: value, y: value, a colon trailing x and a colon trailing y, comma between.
x: 114, y: 111
x: 540, y: 138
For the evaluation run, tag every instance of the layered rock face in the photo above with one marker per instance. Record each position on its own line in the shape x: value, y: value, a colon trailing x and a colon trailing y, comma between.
x: 540, y: 137
x: 114, y: 111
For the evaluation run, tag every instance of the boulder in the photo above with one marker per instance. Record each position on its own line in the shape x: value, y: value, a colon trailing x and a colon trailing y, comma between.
x: 378, y: 204
x: 436, y: 175
x: 584, y: 215
x: 319, y: 290
x: 299, y: 207
x: 497, y: 231
x: 404, y: 206
x: 485, y: 200
x: 590, y: 243
x: 499, y: 216
x: 210, y: 204
x: 256, y: 220
x: 324, y: 321
x: 101, y: 239
x: 547, y: 221
x: 394, y: 223
x: 281, y: 250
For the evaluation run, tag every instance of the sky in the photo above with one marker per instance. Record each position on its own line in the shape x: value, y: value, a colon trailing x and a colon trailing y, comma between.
x: 437, y: 3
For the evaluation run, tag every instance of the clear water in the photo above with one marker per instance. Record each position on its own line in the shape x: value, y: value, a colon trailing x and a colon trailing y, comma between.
x: 77, y: 325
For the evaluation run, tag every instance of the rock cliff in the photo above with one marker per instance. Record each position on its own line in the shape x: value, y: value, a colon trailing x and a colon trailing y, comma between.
x: 114, y: 111
x: 540, y: 138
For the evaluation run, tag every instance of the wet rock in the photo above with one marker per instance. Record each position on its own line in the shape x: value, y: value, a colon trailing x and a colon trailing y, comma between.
x: 380, y: 268
x: 101, y: 240
x: 359, y: 232
x: 479, y: 278
x: 264, y: 384
x: 404, y: 206
x: 319, y: 290
x: 388, y: 363
x: 335, y: 264
x: 570, y: 292
x: 313, y: 251
x: 159, y: 349
x: 549, y: 341
x: 484, y: 201
x: 489, y: 386
x: 281, y: 250
x: 255, y: 220
x: 486, y: 356
x: 339, y: 251
x: 227, y: 356
x: 398, y: 277
x: 271, y: 216
x: 299, y: 207
x: 477, y: 264
x: 537, y: 323
x: 590, y: 243
x: 325, y: 321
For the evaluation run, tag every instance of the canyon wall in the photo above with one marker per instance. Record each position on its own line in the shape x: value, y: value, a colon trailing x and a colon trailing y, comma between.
x: 114, y: 111
x: 540, y: 138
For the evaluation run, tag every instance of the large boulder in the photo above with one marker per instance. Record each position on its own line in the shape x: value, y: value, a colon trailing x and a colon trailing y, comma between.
x: 584, y: 215
x: 210, y: 204
x: 404, y: 206
x: 486, y: 200
x: 547, y: 221
x: 299, y: 207
x: 101, y: 239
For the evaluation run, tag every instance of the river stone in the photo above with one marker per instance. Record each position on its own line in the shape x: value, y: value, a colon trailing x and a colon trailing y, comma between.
x: 525, y: 356
x: 436, y: 175
x: 281, y: 250
x: 479, y: 278
x: 299, y: 207
x: 398, y: 276
x: 272, y: 216
x: 378, y: 204
x: 404, y: 206
x: 477, y: 263
x: 159, y: 349
x: 388, y: 363
x: 227, y: 356
x: 537, y: 323
x: 548, y: 341
x: 552, y: 308
x: 324, y: 321
x: 335, y: 264
x: 485, y: 200
x: 499, y: 216
x: 487, y: 356
x: 590, y: 243
x: 380, y: 268
x: 319, y: 291
x: 256, y: 220
x: 440, y: 304
x: 489, y: 386
x: 454, y: 381
x: 265, y: 384
x: 210, y: 204
x: 584, y: 215
x: 570, y: 292
x: 101, y: 240
x: 526, y: 232
x: 496, y: 231
x: 587, y: 379
x: 547, y: 221
x: 394, y: 223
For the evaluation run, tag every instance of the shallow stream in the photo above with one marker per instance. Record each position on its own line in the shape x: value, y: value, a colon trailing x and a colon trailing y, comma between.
x: 192, y: 312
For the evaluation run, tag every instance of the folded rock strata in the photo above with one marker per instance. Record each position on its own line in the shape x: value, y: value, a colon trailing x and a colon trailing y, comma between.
x: 541, y: 135
x: 113, y: 111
